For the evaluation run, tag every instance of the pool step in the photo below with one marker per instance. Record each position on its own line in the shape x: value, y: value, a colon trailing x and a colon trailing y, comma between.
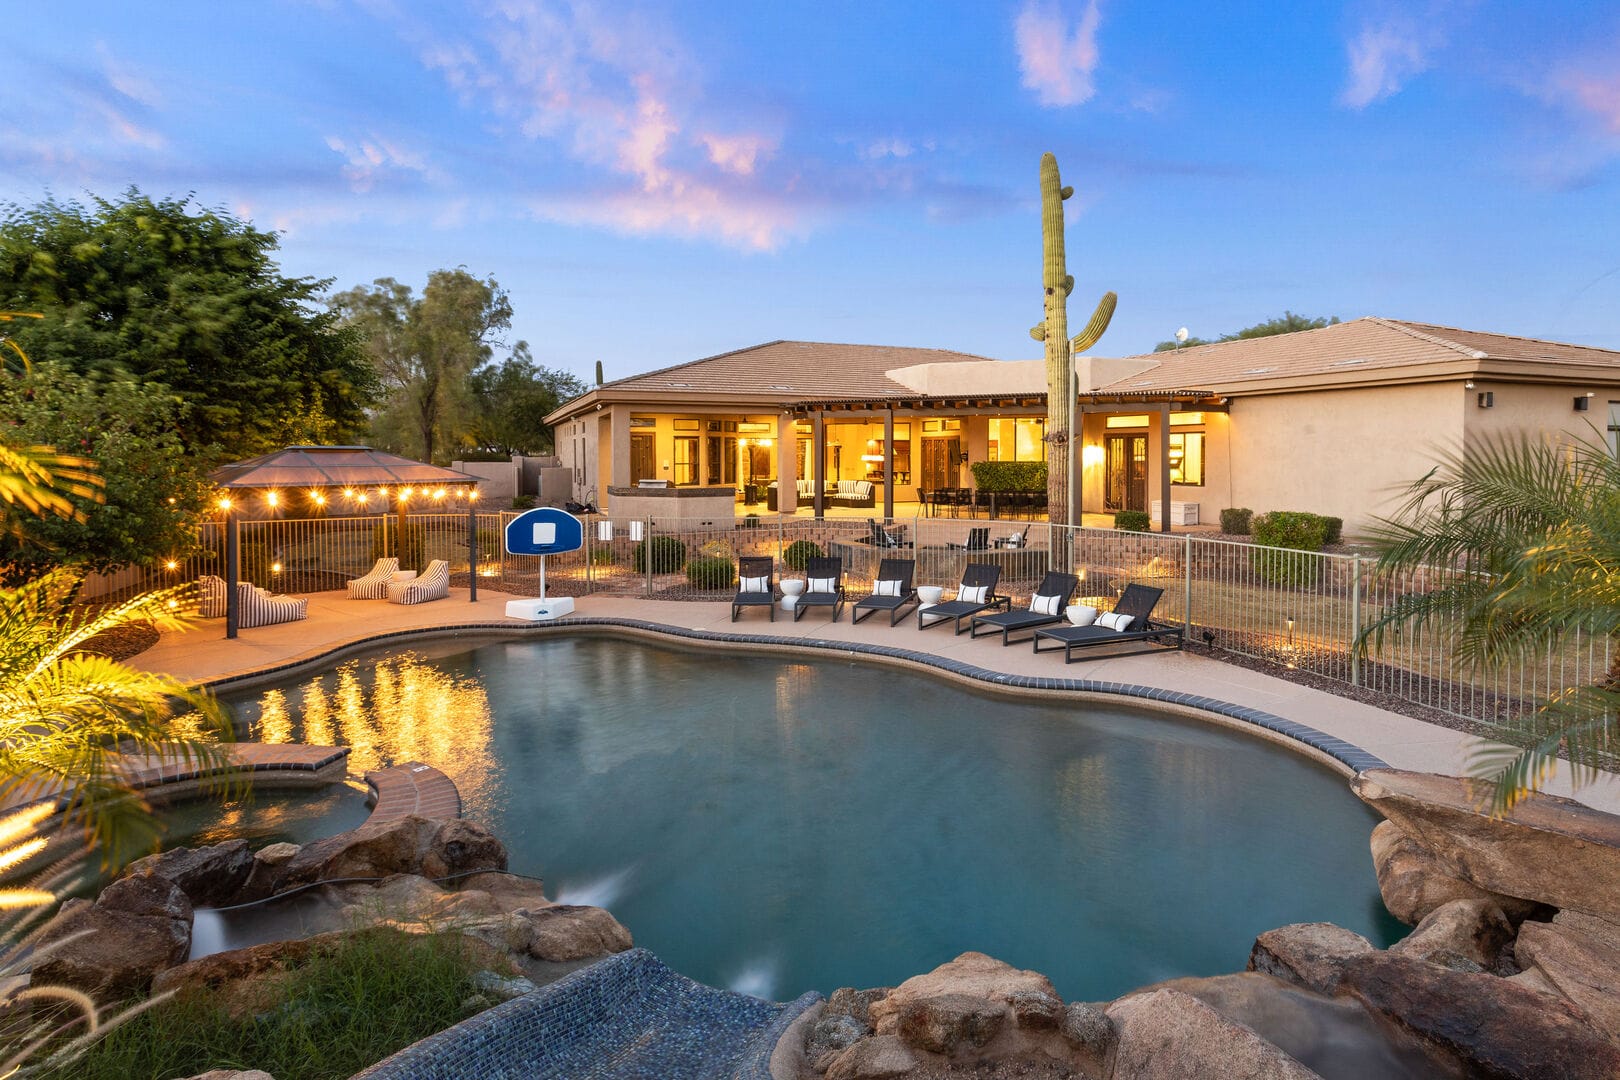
x: 412, y: 788
x: 628, y: 1017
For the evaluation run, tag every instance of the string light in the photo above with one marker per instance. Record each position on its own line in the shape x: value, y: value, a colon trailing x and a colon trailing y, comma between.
x: 224, y: 502
x: 171, y: 565
x: 272, y: 498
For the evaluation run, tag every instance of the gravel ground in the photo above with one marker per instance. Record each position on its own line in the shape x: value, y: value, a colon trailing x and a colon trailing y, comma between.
x: 122, y: 642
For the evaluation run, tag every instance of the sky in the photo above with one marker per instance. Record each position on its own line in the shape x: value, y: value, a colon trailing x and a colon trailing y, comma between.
x: 657, y: 182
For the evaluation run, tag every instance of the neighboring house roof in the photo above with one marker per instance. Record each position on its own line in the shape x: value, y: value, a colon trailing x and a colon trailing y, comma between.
x: 332, y: 466
x: 1366, y: 350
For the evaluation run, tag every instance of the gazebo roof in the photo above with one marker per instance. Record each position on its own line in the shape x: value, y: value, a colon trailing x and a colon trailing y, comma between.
x: 332, y: 466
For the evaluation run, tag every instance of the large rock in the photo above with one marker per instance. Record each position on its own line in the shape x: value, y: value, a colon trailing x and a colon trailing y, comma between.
x: 1168, y: 1035
x: 1092, y: 1034
x: 140, y: 927
x: 1580, y: 965
x: 971, y: 975
x: 1474, y: 930
x: 510, y: 892
x: 1493, y: 1027
x: 210, y: 876
x: 376, y: 849
x: 1310, y: 954
x: 268, y: 871
x: 575, y: 932
x: 462, y: 847
x: 1413, y: 882
x: 882, y: 1057
x: 947, y: 1023
x: 1549, y: 849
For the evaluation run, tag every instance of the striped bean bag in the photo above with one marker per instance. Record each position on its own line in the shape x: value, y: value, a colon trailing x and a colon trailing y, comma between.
x: 256, y: 607
x: 432, y: 584
x: 374, y: 586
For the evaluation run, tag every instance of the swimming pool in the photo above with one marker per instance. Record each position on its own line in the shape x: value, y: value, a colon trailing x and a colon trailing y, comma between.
x: 775, y: 826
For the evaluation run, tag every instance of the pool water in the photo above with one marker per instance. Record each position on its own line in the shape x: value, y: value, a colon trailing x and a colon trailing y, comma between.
x: 776, y: 827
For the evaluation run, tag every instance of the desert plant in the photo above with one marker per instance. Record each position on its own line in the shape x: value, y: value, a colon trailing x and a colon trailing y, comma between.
x: 668, y: 555
x: 1133, y: 521
x: 1278, y: 536
x: 523, y: 502
x: 710, y: 572
x: 1236, y: 520
x: 799, y: 553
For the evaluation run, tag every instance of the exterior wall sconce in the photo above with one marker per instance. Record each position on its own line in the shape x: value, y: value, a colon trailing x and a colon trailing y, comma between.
x: 1583, y: 402
x: 1469, y: 385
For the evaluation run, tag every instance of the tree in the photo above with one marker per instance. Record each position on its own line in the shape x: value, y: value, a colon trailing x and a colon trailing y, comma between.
x: 1529, y: 531
x: 151, y: 489
x: 1286, y: 323
x: 424, y: 350
x: 164, y: 292
x: 512, y: 397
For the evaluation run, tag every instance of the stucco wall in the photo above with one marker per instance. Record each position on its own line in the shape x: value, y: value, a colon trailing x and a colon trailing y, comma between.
x: 1549, y: 409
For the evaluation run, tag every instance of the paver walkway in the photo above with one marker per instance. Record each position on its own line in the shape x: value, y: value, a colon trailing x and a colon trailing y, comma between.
x: 201, y: 654
x: 413, y: 788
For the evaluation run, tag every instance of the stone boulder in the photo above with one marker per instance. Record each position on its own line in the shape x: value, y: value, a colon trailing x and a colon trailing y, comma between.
x: 1092, y: 1034
x: 1488, y: 1025
x: 1413, y: 882
x: 948, y: 1023
x: 1310, y: 954
x: 574, y: 932
x: 844, y: 1020
x: 461, y: 847
x: 139, y: 927
x: 1474, y: 930
x: 268, y: 871
x: 1168, y: 1035
x: 509, y: 892
x: 1552, y: 850
x: 209, y: 876
x: 964, y: 1004
x: 1579, y: 957
x: 882, y: 1057
x: 376, y: 849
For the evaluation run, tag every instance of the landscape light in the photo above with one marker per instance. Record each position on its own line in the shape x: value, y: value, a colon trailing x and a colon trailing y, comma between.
x: 275, y: 568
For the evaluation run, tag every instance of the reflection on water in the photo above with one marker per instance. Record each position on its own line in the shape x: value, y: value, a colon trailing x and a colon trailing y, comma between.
x: 392, y: 709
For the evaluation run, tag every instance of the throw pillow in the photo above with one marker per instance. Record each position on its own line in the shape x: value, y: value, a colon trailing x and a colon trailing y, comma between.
x: 1045, y: 605
x: 755, y: 584
x: 822, y: 584
x: 973, y: 595
x: 885, y: 588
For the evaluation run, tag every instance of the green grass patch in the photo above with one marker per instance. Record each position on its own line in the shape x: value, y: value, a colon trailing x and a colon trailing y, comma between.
x: 349, y: 1005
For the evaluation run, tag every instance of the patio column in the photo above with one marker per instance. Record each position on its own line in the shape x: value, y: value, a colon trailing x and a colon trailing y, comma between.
x: 888, y: 465
x: 787, y: 465
x: 233, y: 563
x: 818, y: 466
x: 619, y: 433
x: 1164, y: 468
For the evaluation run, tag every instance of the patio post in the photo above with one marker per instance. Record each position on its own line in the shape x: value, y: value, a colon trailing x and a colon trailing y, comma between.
x: 888, y: 464
x: 232, y: 570
x: 472, y: 553
x: 1164, y: 467
x: 818, y: 425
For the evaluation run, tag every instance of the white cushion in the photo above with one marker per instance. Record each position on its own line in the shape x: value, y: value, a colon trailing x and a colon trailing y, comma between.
x: 1115, y: 621
x: 1045, y: 605
x: 1080, y: 614
x: 885, y: 588
x: 1013, y: 540
x: 974, y: 595
x: 755, y: 584
x: 821, y: 584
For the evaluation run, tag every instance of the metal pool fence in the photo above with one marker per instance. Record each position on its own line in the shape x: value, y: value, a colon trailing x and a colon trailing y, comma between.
x: 1297, y: 608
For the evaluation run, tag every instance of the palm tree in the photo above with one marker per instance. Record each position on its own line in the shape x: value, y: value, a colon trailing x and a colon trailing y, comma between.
x: 1524, y: 535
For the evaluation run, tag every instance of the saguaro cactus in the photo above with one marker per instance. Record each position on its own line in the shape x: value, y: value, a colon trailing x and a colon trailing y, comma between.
x: 1057, y: 283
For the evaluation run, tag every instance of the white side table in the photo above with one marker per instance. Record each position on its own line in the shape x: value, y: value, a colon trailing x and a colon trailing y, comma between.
x: 791, y: 590
x: 929, y: 595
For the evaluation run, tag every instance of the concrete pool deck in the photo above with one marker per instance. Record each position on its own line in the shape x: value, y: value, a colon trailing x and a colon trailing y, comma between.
x: 201, y: 654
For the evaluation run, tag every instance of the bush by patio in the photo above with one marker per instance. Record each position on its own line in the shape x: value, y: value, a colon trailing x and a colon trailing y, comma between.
x: 668, y: 555
x: 1296, y: 531
x: 1235, y: 520
x: 799, y: 553
x: 998, y: 476
x: 710, y: 572
x: 1133, y: 521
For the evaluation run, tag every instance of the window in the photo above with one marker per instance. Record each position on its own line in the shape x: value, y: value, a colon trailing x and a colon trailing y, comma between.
x: 722, y: 460
x: 940, y: 427
x: 686, y: 452
x: 688, y: 425
x: 643, y: 421
x: 1187, y: 458
x: 1018, y: 440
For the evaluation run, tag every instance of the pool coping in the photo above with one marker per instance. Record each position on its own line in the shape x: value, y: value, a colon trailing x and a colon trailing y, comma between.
x: 1338, y: 754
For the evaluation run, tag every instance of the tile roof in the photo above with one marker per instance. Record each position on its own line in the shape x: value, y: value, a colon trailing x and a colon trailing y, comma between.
x: 1349, y: 349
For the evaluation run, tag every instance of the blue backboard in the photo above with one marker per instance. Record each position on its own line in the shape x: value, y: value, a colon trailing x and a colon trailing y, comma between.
x: 544, y: 531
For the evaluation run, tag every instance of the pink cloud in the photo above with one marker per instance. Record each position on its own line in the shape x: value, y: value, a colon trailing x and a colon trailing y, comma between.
x: 738, y: 154
x: 1596, y: 94
x: 1382, y: 58
x: 1056, y: 63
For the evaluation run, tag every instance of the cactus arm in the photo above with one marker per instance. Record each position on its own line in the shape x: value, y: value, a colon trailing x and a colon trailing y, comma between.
x: 1099, y: 323
x: 1038, y: 331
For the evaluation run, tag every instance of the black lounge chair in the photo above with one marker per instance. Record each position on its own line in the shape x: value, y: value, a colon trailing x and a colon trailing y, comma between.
x: 823, y: 587
x: 1013, y: 540
x: 1143, y: 634
x: 978, y: 540
x: 750, y: 571
x: 1045, y: 608
x: 893, y: 575
x: 974, y: 577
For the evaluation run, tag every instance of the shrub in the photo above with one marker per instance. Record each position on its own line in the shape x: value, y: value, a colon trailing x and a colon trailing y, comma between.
x: 1009, y: 475
x: 1293, y: 530
x: 799, y: 553
x: 1133, y: 521
x: 1335, y: 530
x: 1236, y: 520
x: 602, y: 556
x: 668, y: 555
x: 710, y: 572
x: 523, y: 502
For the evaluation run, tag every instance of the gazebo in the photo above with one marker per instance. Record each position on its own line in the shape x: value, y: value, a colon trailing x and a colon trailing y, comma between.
x: 323, y: 475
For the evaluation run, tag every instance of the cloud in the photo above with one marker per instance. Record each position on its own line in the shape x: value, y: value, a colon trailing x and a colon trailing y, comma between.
x: 738, y: 154
x: 370, y: 158
x: 1391, y: 48
x: 1056, y: 63
x: 1595, y: 94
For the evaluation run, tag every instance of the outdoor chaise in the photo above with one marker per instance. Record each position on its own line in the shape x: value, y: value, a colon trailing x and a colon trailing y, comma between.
x: 891, y: 591
x: 374, y: 585
x: 754, y: 585
x: 254, y: 606
x: 1136, y: 603
x: 885, y: 536
x: 977, y: 592
x: 432, y: 584
x: 977, y: 540
x: 1013, y: 540
x: 1045, y: 607
x: 823, y: 586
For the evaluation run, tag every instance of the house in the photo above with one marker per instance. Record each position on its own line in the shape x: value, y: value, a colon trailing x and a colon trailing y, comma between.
x: 1333, y: 421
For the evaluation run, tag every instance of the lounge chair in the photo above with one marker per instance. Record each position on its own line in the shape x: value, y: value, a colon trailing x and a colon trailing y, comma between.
x: 886, y: 536
x: 976, y: 593
x: 823, y: 587
x: 977, y: 540
x: 1013, y: 540
x: 254, y: 606
x: 1141, y: 633
x: 1045, y: 608
x: 891, y: 591
x: 754, y: 585
x: 431, y: 584
x: 374, y: 585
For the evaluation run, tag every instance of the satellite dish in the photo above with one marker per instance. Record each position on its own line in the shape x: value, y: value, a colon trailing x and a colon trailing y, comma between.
x: 1181, y: 335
